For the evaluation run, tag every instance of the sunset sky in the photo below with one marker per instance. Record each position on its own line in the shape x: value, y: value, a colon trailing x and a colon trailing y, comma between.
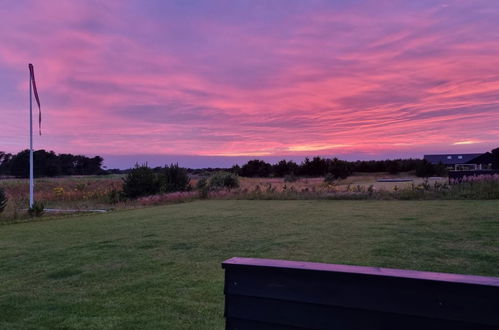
x: 199, y: 81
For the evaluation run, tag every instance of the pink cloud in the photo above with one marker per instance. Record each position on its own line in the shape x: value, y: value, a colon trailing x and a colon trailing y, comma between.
x: 123, y: 78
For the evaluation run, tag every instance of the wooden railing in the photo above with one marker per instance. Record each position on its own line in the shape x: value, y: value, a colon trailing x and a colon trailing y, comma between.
x: 278, y: 294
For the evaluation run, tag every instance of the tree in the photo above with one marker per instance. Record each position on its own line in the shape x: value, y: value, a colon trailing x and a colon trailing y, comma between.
x: 316, y: 167
x: 495, y: 158
x: 140, y: 181
x: 256, y: 168
x: 235, y: 169
x: 19, y: 165
x: 5, y: 159
x: 174, y: 178
x: 338, y: 169
x: 426, y: 169
x: 284, y: 168
x: 393, y: 167
x: 48, y: 163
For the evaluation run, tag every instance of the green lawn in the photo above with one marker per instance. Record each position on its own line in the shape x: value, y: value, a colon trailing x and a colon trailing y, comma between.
x: 160, y: 267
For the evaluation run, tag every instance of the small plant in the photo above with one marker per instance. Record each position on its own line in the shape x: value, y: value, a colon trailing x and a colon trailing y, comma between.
x: 80, y: 187
x: 58, y: 192
x: 36, y: 210
x: 3, y: 200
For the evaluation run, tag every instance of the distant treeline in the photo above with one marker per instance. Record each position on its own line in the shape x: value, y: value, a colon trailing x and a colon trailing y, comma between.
x: 48, y: 163
x: 318, y: 166
x: 336, y: 168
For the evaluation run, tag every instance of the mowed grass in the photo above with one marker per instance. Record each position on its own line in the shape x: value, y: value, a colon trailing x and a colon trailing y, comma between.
x: 159, y: 268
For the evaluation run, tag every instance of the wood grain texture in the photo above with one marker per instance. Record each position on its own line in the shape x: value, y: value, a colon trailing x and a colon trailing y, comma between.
x: 307, y: 295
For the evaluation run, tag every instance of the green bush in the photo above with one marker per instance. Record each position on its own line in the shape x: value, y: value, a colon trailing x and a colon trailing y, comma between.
x: 140, y: 181
x: 3, y: 200
x: 217, y: 181
x: 36, y: 210
x: 221, y: 180
x: 174, y: 178
x: 114, y: 196
x: 426, y: 169
x: 202, y: 186
x: 290, y: 178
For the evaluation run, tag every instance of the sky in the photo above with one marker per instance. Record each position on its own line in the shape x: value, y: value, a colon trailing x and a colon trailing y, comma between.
x: 213, y: 83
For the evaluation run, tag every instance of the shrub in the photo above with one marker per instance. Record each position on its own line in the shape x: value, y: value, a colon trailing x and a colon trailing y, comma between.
x: 476, y: 187
x: 114, y: 196
x: 3, y: 200
x: 36, y: 210
x: 426, y: 169
x: 203, y: 188
x: 203, y: 182
x: 174, y: 178
x: 223, y: 180
x: 140, y: 181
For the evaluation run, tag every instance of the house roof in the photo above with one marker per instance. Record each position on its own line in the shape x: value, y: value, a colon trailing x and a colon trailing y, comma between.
x: 450, y: 159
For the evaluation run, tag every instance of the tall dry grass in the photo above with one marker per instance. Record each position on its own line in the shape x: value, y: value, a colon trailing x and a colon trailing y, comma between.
x: 67, y: 192
x: 84, y: 193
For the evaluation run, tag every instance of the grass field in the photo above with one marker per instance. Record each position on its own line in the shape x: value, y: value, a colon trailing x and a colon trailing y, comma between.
x: 92, y: 192
x: 160, y: 268
x: 83, y: 193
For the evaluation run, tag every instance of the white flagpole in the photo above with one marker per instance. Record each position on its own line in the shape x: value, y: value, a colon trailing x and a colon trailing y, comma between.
x: 31, y: 183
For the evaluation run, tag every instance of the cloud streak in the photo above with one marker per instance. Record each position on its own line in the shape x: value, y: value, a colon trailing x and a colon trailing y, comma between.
x: 253, y: 77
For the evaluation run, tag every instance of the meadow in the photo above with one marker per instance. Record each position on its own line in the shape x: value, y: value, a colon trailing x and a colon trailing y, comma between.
x: 75, y: 192
x: 87, y: 193
x: 159, y: 267
x: 96, y: 192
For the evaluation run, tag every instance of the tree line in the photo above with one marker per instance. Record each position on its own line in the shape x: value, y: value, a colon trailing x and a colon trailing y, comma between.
x: 319, y: 167
x: 48, y: 163
x: 336, y: 168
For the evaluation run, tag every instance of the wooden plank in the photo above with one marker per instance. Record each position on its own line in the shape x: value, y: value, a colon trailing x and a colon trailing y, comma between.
x: 271, y: 289
x: 242, y: 324
x: 286, y: 264
x: 278, y: 313
x: 444, y: 300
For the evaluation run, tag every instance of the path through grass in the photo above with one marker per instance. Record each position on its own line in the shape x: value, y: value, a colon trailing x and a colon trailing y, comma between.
x: 160, y: 267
